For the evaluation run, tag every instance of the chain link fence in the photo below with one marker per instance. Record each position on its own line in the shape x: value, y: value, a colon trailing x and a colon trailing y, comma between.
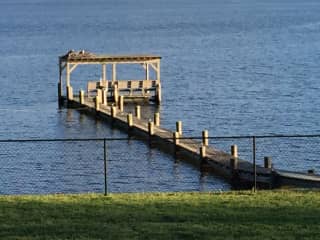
x: 99, y: 165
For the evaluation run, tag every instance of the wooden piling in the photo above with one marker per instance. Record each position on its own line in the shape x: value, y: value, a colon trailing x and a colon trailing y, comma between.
x: 115, y: 93
x: 268, y: 162
x: 205, y: 140
x: 97, y: 103
x: 99, y: 95
x: 179, y: 127
x: 81, y: 96
x: 176, y: 138
x: 121, y: 99
x: 233, y: 163
x: 113, y: 111
x: 158, y: 94
x: 69, y: 93
x: 203, y: 153
x: 234, y: 151
x: 130, y: 120
x: 105, y: 97
x: 59, y: 91
x: 138, y: 111
x: 157, y: 119
x: 151, y: 128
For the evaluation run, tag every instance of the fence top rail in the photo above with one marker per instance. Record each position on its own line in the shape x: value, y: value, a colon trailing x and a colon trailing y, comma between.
x: 146, y: 138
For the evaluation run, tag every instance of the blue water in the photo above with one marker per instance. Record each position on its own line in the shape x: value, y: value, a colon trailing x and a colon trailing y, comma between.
x: 232, y: 67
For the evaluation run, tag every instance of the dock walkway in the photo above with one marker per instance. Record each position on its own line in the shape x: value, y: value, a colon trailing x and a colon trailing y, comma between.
x: 107, y: 102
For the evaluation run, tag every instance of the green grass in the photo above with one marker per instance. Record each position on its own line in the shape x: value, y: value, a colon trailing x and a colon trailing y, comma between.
x: 234, y: 215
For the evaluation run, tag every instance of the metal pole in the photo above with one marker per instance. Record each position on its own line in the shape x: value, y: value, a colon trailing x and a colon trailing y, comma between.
x: 105, y: 166
x: 254, y: 164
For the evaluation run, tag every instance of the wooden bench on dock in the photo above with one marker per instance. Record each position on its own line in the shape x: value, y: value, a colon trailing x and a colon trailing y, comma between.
x: 126, y: 88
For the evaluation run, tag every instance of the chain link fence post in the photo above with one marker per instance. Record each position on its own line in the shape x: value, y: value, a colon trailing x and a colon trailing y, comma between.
x: 254, y: 164
x: 105, y: 166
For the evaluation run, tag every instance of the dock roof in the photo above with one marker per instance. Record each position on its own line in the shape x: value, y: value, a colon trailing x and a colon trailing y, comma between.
x: 88, y: 57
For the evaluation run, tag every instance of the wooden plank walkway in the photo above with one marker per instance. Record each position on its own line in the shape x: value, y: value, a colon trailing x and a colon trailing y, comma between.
x: 214, y: 159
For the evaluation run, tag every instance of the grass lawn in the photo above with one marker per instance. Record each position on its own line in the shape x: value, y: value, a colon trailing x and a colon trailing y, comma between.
x: 233, y: 215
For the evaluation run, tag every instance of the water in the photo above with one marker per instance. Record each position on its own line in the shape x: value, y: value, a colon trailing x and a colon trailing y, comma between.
x: 232, y: 67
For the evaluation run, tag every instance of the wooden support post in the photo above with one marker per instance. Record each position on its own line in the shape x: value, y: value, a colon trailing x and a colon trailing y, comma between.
x: 268, y: 162
x: 234, y: 151
x: 138, y: 112
x: 114, y: 72
x: 205, y: 140
x: 158, y: 94
x: 69, y: 93
x: 99, y: 95
x: 68, y: 74
x: 151, y: 128
x: 59, y: 91
x: 176, y: 136
x: 115, y: 93
x: 147, y: 71
x: 203, y: 153
x: 104, y: 72
x: 233, y: 163
x: 121, y: 98
x: 81, y: 97
x: 130, y: 120
x: 104, y: 97
x: 157, y: 119
x: 179, y: 127
x: 97, y: 103
x: 158, y: 71
x: 113, y: 111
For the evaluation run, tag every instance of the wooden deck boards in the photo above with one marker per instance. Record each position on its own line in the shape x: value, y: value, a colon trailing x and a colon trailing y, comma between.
x: 215, y: 159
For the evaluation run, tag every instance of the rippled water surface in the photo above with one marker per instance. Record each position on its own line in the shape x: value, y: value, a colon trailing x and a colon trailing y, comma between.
x: 232, y: 67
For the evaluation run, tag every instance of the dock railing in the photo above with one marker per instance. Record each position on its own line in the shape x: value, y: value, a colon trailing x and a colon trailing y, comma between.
x: 42, y: 166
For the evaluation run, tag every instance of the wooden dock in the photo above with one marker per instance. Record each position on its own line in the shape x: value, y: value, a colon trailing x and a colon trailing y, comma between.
x: 105, y: 99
